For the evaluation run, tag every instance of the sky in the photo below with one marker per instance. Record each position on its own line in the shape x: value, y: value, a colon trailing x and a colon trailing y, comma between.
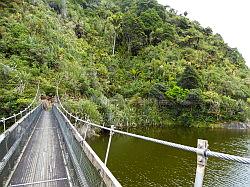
x: 229, y: 18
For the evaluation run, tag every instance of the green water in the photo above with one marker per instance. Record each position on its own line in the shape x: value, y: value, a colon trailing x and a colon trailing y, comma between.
x: 136, y: 162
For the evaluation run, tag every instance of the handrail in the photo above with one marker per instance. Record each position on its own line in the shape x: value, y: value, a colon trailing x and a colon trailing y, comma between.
x: 202, y: 152
x: 105, y: 173
x: 3, y: 120
x: 175, y: 145
x: 206, y: 153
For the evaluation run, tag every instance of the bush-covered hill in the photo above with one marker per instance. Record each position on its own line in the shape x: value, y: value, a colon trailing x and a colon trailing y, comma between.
x: 126, y: 62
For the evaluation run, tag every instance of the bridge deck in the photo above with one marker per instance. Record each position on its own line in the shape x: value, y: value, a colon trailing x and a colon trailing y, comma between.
x: 42, y: 161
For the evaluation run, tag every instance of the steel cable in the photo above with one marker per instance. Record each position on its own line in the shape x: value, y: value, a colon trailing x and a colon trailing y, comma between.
x: 206, y: 153
x: 22, y: 111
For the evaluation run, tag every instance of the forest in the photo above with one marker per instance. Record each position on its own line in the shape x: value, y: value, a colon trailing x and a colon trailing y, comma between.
x: 120, y: 62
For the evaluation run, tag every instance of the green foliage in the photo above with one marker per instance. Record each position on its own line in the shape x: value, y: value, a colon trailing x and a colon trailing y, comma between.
x: 151, y: 21
x: 132, y: 33
x: 166, y: 69
x: 248, y: 100
x: 177, y: 93
x: 189, y: 79
x: 86, y: 107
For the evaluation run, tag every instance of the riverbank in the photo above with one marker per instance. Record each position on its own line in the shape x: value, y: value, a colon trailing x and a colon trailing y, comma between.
x: 235, y: 125
x: 93, y: 132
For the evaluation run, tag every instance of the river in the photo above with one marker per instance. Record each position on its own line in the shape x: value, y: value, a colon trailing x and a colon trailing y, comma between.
x: 138, y: 163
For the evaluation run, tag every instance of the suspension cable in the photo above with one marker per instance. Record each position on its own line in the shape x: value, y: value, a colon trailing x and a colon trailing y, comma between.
x: 22, y: 111
x: 206, y: 153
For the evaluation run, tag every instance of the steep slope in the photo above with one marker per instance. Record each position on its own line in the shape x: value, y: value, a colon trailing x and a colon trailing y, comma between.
x: 127, y: 62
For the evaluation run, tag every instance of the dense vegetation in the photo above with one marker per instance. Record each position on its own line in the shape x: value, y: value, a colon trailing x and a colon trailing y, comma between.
x: 125, y: 62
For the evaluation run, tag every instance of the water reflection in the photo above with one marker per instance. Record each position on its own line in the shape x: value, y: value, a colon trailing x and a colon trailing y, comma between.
x: 139, y: 163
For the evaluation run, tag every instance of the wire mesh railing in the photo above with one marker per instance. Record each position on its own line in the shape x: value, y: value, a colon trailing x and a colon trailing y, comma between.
x: 88, y: 167
x: 20, y: 114
x: 13, y: 140
x: 201, y: 150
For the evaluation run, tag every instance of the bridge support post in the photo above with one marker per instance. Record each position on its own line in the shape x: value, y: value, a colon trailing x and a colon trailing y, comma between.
x: 109, y: 143
x: 85, y: 134
x: 15, y: 117
x: 76, y: 120
x: 201, y: 162
x: 4, y: 124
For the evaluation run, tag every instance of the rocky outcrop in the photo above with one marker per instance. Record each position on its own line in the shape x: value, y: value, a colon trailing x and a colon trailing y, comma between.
x: 236, y: 125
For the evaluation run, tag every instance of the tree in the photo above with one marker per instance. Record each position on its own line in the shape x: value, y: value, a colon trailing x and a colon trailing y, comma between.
x: 116, y: 21
x: 189, y: 79
x: 133, y: 33
x: 151, y: 21
x: 144, y: 5
x: 64, y: 8
x: 208, y: 31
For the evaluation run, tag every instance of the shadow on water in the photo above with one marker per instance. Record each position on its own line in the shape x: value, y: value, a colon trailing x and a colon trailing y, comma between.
x: 137, y: 162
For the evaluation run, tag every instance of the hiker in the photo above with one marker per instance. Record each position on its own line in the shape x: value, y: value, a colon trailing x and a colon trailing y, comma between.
x: 44, y: 102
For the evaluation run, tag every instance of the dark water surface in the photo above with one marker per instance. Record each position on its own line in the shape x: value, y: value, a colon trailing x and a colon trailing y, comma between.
x: 136, y: 162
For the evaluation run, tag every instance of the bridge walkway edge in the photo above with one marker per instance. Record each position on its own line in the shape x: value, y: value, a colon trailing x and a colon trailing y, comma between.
x: 42, y: 162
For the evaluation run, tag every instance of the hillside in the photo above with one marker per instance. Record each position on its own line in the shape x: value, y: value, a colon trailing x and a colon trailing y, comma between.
x: 131, y: 62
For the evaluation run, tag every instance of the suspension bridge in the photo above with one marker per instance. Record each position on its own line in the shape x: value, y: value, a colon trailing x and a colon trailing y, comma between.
x: 43, y: 148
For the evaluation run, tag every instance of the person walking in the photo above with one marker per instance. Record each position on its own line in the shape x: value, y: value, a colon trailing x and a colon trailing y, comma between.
x: 44, y: 102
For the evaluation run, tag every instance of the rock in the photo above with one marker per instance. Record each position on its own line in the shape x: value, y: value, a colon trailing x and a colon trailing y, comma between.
x: 91, y: 131
x: 236, y: 125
